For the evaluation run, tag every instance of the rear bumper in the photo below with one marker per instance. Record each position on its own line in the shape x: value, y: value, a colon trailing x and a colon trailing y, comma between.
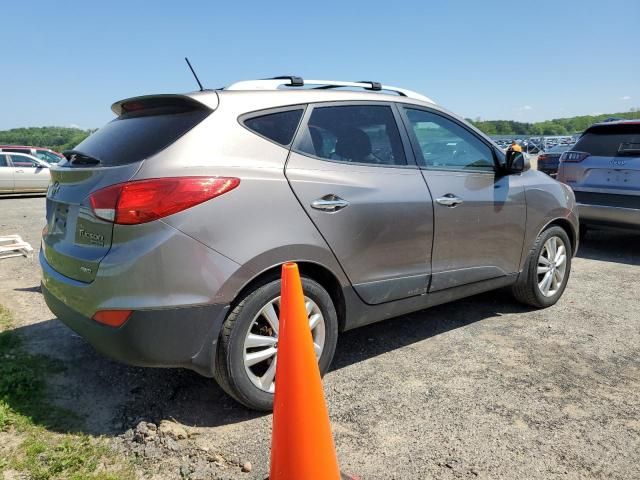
x: 177, y: 337
x: 607, y: 215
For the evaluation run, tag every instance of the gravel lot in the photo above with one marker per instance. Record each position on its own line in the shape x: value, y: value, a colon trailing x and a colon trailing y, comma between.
x: 480, y: 388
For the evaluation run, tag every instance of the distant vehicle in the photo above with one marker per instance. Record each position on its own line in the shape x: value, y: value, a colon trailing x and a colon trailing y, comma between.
x: 50, y: 156
x: 603, y: 169
x: 549, y: 160
x: 22, y: 173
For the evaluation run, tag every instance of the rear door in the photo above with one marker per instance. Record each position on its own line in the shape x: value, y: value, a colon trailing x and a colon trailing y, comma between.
x: 29, y: 175
x: 6, y: 174
x: 350, y: 171
x: 479, y: 215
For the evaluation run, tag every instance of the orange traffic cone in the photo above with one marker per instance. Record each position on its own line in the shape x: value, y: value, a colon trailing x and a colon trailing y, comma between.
x: 301, y: 444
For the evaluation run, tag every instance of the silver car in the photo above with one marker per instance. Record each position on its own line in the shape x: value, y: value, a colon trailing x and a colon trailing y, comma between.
x: 22, y: 173
x: 166, y: 229
x: 603, y: 169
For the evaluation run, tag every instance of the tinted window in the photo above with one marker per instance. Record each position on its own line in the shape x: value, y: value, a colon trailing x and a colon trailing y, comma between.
x: 360, y: 134
x: 446, y: 145
x: 610, y: 141
x: 3, y: 161
x: 279, y: 127
x: 22, y: 161
x: 131, y: 138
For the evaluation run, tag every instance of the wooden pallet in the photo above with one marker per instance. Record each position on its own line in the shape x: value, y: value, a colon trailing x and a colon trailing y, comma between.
x: 14, y: 246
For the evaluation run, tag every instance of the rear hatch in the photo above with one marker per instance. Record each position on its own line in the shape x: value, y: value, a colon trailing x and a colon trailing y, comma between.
x: 611, y: 160
x: 75, y: 240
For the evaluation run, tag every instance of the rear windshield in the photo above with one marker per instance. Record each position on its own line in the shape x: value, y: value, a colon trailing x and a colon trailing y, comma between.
x: 610, y: 141
x: 134, y: 137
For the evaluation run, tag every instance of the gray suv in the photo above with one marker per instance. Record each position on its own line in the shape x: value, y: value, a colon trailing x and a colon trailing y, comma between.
x: 603, y: 169
x: 166, y: 229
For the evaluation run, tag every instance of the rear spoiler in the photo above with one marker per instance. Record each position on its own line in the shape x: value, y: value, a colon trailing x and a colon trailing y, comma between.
x: 196, y: 101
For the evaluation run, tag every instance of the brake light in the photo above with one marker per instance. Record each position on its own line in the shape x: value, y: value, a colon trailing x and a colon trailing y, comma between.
x: 574, y: 157
x: 143, y: 201
x: 112, y: 318
x: 543, y: 157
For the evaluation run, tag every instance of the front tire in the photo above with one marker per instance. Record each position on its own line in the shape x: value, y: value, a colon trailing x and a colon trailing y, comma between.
x: 247, y: 347
x: 546, y: 272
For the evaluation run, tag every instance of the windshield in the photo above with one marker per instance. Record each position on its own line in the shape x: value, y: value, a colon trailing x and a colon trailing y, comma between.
x: 48, y: 157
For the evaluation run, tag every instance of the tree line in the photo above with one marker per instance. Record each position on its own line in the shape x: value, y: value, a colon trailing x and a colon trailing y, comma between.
x: 55, y: 138
x: 557, y: 126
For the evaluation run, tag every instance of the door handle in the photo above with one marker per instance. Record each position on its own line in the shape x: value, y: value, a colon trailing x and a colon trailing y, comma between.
x: 449, y: 200
x: 329, y: 203
x: 19, y: 171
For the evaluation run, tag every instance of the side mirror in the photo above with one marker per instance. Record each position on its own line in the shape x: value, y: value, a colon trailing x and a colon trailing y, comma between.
x: 517, y: 162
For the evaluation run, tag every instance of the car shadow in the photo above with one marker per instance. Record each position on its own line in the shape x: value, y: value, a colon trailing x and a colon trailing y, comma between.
x: 610, y: 245
x: 110, y: 398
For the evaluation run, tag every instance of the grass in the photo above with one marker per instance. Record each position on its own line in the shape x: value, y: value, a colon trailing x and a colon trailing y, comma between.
x: 27, y: 417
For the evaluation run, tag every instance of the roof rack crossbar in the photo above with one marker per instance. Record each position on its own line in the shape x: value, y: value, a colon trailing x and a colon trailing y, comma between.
x: 294, y: 81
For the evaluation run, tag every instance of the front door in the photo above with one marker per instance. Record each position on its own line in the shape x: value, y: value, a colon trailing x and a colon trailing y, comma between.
x: 479, y: 214
x: 29, y: 175
x: 6, y: 174
x: 349, y: 171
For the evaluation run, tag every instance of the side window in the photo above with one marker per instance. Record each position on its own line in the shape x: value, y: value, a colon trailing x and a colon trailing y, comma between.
x: 3, y: 161
x: 279, y: 127
x: 358, y: 133
x: 446, y: 145
x: 22, y: 161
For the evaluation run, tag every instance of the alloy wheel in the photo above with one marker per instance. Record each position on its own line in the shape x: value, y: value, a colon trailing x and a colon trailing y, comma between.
x: 552, y: 266
x: 261, y: 343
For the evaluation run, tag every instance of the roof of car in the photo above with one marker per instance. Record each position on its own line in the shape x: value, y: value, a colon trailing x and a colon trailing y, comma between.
x: 29, y: 147
x: 617, y: 122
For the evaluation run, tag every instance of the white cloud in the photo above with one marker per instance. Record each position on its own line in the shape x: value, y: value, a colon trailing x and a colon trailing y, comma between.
x: 626, y: 97
x: 526, y: 107
x: 73, y: 125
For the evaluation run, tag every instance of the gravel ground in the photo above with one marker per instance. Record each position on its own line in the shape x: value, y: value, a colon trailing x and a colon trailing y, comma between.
x: 480, y: 388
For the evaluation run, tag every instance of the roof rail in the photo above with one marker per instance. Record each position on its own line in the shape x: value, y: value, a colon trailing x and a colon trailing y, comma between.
x: 294, y: 81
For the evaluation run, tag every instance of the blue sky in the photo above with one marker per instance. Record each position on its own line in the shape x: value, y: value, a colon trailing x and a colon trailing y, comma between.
x: 66, y: 62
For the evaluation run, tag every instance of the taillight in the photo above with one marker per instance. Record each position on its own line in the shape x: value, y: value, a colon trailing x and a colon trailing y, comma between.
x: 543, y: 157
x: 112, y: 318
x: 574, y: 157
x: 143, y: 201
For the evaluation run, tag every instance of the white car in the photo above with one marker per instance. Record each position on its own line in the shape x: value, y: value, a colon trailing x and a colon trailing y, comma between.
x: 22, y: 173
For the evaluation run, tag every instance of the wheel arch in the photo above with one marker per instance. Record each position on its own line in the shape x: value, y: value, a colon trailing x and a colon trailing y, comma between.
x: 568, y: 227
x: 315, y: 271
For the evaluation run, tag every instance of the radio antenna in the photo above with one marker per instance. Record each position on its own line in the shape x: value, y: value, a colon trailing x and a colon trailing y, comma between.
x: 194, y: 74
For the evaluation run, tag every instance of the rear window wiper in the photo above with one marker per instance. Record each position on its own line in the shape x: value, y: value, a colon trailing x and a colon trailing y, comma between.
x: 75, y: 157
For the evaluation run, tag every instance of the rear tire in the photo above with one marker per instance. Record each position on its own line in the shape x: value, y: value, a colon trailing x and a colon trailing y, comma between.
x: 546, y: 272
x: 249, y: 384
